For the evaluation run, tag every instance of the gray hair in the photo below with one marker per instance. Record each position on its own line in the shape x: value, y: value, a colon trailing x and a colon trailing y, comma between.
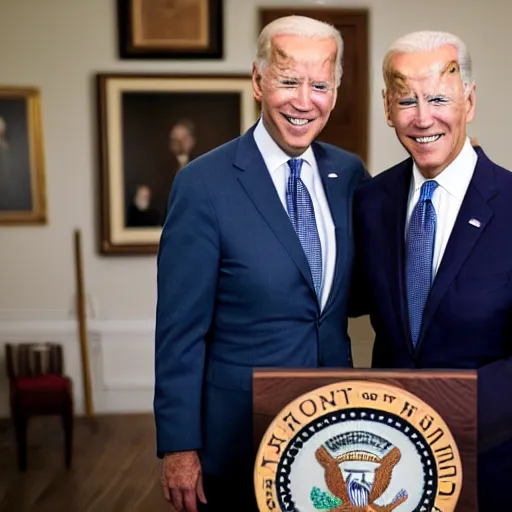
x: 298, y: 26
x: 425, y: 41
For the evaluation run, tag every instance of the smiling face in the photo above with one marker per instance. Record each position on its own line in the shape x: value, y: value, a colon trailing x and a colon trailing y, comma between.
x: 297, y: 90
x: 427, y: 105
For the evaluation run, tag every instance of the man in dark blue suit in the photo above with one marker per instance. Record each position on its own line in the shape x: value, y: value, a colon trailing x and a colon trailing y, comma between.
x: 434, y: 262
x: 253, y: 269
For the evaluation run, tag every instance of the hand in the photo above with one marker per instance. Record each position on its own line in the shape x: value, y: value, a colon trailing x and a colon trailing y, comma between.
x: 182, y: 480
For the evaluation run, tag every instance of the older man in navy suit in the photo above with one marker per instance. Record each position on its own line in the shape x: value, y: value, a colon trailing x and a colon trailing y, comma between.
x: 433, y: 255
x: 253, y: 269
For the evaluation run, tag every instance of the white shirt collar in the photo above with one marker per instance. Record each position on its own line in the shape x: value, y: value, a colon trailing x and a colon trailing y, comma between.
x: 456, y: 177
x: 272, y: 154
x: 182, y: 159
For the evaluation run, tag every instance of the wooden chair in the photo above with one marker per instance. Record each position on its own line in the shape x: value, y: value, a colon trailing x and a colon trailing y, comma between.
x: 38, y: 387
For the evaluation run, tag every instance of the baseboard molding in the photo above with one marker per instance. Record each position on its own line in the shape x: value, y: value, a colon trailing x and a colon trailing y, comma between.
x: 120, y: 356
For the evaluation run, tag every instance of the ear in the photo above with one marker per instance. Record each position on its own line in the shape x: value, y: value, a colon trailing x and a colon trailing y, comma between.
x: 256, y: 83
x: 334, y: 98
x: 387, y: 108
x: 471, y: 103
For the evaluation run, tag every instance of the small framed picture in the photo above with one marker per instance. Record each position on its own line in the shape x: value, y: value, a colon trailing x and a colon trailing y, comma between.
x: 151, y: 126
x: 180, y: 29
x: 22, y: 173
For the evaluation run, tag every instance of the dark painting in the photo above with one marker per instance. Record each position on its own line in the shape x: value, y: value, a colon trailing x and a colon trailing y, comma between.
x: 15, y: 173
x: 162, y: 132
x: 150, y: 128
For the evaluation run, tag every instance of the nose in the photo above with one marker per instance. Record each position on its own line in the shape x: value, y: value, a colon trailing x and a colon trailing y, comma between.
x: 302, y: 100
x: 424, y: 118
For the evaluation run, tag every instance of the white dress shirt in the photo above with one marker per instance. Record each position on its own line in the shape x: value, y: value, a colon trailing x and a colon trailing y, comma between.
x: 453, y: 183
x: 182, y: 160
x: 276, y: 161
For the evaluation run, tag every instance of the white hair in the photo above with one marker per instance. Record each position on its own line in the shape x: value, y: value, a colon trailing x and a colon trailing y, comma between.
x: 298, y: 26
x: 426, y: 41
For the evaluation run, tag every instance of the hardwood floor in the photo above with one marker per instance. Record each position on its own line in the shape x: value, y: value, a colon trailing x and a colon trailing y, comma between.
x: 114, y: 467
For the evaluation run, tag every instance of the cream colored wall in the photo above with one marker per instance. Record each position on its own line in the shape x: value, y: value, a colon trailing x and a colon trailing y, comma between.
x: 58, y: 46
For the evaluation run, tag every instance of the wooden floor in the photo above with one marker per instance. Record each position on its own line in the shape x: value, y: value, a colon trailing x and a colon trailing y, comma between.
x: 114, y: 468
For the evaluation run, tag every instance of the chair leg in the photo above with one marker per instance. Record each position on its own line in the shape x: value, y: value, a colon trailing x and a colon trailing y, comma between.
x: 20, y: 426
x: 67, y: 423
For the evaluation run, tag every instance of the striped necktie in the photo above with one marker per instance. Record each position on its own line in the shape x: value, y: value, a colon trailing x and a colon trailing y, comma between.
x: 302, y: 215
x: 419, y: 246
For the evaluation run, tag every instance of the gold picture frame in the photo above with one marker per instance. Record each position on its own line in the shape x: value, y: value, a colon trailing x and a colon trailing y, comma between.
x: 138, y: 116
x: 180, y: 29
x: 22, y: 167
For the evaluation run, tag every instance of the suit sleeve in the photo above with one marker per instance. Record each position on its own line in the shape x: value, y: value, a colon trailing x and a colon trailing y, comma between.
x: 187, y: 270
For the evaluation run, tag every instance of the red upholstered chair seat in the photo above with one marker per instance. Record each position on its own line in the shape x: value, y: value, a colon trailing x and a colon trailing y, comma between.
x: 43, y: 383
x: 44, y: 394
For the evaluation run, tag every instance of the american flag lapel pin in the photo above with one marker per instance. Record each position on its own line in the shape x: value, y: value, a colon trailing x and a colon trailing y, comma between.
x: 475, y: 222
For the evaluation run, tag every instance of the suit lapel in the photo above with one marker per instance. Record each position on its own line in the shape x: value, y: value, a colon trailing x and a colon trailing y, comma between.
x: 258, y: 184
x: 338, y: 210
x: 394, y: 214
x: 464, y: 235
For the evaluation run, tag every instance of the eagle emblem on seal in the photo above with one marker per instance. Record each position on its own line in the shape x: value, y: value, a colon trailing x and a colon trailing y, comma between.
x: 358, y: 467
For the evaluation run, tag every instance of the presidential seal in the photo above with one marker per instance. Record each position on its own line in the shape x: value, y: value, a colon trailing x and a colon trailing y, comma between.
x: 358, y: 446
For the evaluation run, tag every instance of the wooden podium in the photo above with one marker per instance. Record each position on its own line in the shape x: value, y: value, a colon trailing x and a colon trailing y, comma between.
x: 451, y: 394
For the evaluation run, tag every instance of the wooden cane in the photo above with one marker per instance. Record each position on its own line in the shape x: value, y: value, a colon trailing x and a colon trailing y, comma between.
x: 82, y: 325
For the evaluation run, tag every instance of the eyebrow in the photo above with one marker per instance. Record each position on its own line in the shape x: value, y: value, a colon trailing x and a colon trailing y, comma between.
x: 427, y: 97
x: 284, y: 75
x: 435, y: 96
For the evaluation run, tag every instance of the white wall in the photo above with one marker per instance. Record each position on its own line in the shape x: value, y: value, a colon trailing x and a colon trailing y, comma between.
x: 58, y: 45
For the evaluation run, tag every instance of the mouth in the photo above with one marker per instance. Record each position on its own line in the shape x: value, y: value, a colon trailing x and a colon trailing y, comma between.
x: 427, y: 139
x: 297, y: 121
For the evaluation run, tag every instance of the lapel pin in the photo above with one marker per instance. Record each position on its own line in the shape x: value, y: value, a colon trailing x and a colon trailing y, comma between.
x: 332, y: 175
x: 475, y: 222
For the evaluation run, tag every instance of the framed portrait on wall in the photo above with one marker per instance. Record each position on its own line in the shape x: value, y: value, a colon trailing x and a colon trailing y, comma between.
x: 22, y: 173
x: 180, y: 29
x: 150, y: 127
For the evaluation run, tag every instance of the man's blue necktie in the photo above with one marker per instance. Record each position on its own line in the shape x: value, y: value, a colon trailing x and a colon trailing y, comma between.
x: 419, y: 248
x: 302, y: 215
